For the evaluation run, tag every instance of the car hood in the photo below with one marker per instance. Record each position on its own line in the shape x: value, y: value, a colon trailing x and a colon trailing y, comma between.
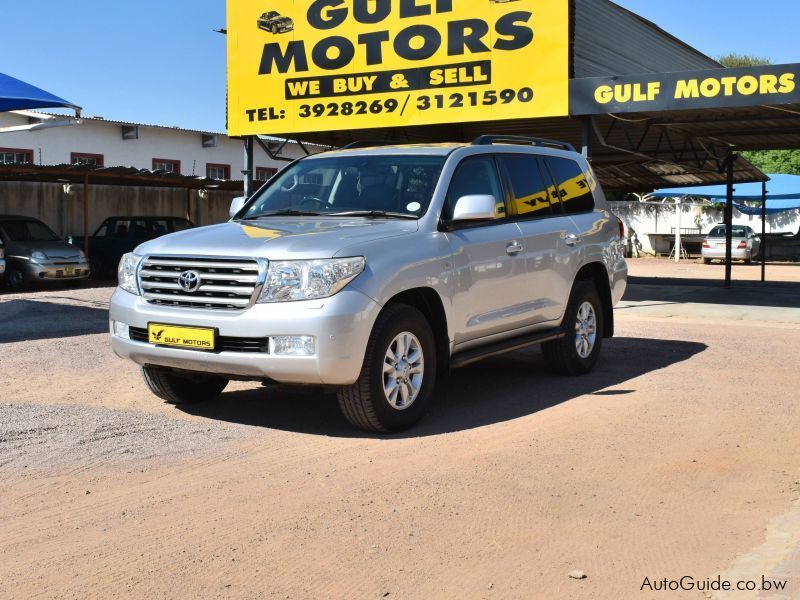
x: 53, y: 250
x: 278, y: 238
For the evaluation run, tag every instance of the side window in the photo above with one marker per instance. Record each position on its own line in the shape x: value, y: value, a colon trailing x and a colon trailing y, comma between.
x: 532, y: 192
x: 103, y: 230
x: 158, y: 227
x: 121, y: 228
x: 573, y: 186
x: 476, y: 175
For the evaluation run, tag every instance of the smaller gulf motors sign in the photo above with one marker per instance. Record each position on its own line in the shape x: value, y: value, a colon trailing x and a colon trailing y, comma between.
x: 715, y: 88
x: 323, y: 65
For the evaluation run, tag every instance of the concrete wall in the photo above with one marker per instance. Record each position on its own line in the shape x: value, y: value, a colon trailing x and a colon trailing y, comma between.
x: 63, y: 212
x: 648, y: 220
x: 54, y: 146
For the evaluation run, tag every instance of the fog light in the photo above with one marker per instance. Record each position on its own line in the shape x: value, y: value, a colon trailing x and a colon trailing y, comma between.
x: 121, y: 330
x: 295, y: 345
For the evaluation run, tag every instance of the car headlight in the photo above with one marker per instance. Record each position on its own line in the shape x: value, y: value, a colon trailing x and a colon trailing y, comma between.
x: 126, y: 274
x: 291, y: 280
x: 81, y: 254
x: 38, y: 256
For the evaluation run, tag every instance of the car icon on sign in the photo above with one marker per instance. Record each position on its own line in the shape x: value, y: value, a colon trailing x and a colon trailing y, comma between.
x: 274, y: 22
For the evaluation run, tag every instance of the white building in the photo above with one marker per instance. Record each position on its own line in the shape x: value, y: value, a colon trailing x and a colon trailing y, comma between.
x: 97, y: 141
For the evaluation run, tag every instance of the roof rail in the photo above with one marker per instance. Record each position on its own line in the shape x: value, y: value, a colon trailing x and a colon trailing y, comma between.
x: 487, y: 140
x: 365, y: 144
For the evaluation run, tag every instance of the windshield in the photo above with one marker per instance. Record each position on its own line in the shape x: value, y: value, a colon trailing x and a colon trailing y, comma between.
x: 28, y: 231
x: 384, y: 184
x: 737, y: 232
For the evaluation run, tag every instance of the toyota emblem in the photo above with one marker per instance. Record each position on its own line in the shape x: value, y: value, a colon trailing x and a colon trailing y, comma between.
x: 189, y: 281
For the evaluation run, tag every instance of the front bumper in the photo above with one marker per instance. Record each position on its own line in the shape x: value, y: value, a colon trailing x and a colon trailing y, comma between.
x: 341, y: 326
x: 56, y: 272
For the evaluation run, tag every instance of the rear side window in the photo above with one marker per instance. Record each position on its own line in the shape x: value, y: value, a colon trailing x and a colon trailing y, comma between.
x: 476, y: 176
x: 532, y: 193
x: 573, y: 186
x: 158, y: 227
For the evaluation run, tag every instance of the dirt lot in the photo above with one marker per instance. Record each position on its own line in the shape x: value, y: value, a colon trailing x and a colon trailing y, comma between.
x: 676, y: 457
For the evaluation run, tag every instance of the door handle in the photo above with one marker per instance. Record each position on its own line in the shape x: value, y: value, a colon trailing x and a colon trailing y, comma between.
x: 514, y: 248
x: 572, y: 240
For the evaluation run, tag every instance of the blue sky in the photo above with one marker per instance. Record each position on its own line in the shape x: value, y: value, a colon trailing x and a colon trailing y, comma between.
x: 160, y: 62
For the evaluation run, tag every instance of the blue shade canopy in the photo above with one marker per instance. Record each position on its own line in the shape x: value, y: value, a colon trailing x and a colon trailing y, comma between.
x: 18, y: 95
x: 783, y: 194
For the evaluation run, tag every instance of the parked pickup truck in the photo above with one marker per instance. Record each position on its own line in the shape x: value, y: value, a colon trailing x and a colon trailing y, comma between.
x: 373, y: 270
x: 118, y: 235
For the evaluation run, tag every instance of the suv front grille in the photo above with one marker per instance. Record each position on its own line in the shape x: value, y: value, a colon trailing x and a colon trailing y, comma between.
x: 225, y: 284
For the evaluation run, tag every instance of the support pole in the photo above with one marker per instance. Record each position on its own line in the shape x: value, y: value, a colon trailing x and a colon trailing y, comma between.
x: 729, y: 221
x: 586, y: 138
x: 678, y: 243
x: 763, y: 247
x: 86, y: 215
x: 248, y: 167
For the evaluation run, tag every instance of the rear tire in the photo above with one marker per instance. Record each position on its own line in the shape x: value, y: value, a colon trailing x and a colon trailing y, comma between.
x: 398, y: 375
x: 578, y: 351
x: 706, y: 261
x: 183, y: 388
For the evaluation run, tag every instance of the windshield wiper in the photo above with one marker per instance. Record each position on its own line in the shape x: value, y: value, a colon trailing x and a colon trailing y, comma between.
x: 374, y: 213
x: 289, y: 212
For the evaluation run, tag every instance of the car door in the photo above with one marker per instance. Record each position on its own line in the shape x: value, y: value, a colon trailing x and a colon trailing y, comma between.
x: 489, y: 292
x: 550, y: 262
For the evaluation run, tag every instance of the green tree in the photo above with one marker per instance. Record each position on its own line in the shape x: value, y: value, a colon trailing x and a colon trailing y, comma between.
x: 769, y: 161
x: 733, y: 59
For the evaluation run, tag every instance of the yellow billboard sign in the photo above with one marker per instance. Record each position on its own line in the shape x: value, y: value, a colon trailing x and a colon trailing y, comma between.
x: 324, y: 65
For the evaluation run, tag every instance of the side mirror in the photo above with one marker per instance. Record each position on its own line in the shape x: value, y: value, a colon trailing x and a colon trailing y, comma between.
x: 237, y: 205
x: 478, y: 207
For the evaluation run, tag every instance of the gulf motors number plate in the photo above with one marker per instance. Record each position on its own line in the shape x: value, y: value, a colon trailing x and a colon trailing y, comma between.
x: 69, y: 271
x: 197, y: 338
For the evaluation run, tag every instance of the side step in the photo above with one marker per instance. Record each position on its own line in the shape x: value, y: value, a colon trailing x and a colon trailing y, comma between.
x: 462, y: 359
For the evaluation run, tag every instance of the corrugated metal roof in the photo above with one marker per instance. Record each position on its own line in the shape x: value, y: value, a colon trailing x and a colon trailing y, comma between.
x: 111, y: 176
x: 610, y: 40
x: 97, y: 119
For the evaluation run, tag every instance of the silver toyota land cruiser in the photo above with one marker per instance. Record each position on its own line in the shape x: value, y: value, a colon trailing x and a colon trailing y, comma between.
x: 372, y: 270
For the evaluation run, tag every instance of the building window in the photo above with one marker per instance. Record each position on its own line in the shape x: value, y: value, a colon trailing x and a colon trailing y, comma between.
x: 15, y: 156
x: 81, y: 158
x: 264, y: 173
x: 165, y: 164
x: 209, y: 140
x: 130, y: 132
x: 218, y: 171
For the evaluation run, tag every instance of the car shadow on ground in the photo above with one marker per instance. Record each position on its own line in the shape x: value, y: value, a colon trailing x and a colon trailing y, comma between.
x: 493, y: 391
x: 711, y: 291
x: 26, y: 320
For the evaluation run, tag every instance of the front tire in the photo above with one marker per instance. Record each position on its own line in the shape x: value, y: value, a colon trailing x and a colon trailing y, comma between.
x: 398, y: 375
x: 182, y: 388
x: 15, y: 278
x: 578, y: 351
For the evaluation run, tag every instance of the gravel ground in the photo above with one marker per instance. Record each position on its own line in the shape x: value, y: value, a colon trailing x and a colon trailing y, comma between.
x: 55, y: 437
x: 676, y: 456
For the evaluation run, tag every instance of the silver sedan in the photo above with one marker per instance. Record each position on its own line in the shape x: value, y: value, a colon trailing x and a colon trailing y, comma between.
x: 745, y: 244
